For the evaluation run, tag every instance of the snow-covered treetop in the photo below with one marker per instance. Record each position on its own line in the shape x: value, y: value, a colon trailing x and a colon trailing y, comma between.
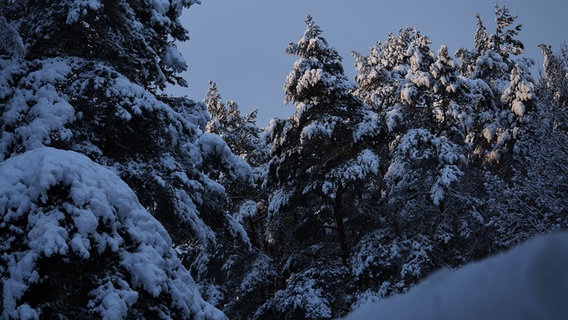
x: 481, y: 38
x: 491, y: 58
x: 318, y: 74
x: 555, y: 80
x: 240, y: 132
x: 404, y: 58
x: 504, y: 38
x: 136, y: 37
x: 447, y: 81
x: 313, y: 44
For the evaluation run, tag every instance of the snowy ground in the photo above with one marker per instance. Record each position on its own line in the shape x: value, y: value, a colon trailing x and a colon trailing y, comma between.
x: 527, y: 282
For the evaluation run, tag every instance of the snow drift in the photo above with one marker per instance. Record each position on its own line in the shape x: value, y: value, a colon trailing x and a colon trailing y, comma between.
x: 527, y: 282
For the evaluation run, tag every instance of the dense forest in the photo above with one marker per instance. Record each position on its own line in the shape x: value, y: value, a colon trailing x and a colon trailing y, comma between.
x: 118, y: 201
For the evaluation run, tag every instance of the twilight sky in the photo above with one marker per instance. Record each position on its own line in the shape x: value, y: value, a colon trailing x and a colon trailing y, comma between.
x: 240, y: 44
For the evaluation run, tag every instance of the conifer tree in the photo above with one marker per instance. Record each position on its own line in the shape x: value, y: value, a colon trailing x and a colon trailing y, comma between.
x: 243, y: 137
x: 247, y: 272
x: 87, y: 83
x: 321, y: 164
x: 553, y: 84
x: 522, y: 212
x: 431, y: 216
x: 325, y: 141
x: 240, y: 132
x: 505, y: 89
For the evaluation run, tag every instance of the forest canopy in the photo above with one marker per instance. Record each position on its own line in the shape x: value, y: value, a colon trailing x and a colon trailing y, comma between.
x: 119, y: 201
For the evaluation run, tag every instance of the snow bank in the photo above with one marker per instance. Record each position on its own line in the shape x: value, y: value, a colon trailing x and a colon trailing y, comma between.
x: 528, y: 282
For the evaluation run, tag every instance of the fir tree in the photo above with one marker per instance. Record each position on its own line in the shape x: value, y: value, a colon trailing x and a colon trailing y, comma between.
x: 430, y: 208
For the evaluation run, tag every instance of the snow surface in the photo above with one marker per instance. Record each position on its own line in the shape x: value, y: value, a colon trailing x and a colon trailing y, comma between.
x: 527, y: 282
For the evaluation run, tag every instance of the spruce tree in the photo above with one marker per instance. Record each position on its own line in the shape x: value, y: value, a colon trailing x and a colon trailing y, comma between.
x: 87, y: 83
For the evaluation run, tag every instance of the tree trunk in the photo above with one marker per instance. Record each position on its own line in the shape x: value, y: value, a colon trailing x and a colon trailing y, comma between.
x: 337, y: 206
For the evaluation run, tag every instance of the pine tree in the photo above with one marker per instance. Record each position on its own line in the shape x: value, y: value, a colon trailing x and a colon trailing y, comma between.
x: 431, y: 215
x: 247, y: 200
x: 554, y: 81
x: 504, y: 88
x: 240, y: 132
x: 249, y: 273
x: 505, y: 115
x: 522, y: 212
x: 394, y: 71
x: 321, y: 164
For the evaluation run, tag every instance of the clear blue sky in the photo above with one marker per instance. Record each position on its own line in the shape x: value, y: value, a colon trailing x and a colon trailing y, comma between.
x: 240, y: 44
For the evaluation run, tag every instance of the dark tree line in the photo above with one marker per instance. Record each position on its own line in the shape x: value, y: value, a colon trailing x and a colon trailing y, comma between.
x: 427, y: 160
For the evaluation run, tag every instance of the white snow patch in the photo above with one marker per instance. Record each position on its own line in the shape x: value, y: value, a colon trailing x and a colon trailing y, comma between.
x: 393, y: 116
x: 80, y: 8
x: 173, y: 59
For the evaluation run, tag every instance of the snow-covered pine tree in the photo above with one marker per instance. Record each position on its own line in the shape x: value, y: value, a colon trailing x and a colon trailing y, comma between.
x: 535, y: 202
x: 244, y: 138
x: 511, y: 88
x: 549, y: 163
x: 240, y: 132
x: 505, y: 114
x: 251, y: 272
x: 553, y: 84
x: 322, y: 169
x: 87, y: 83
x: 431, y: 215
